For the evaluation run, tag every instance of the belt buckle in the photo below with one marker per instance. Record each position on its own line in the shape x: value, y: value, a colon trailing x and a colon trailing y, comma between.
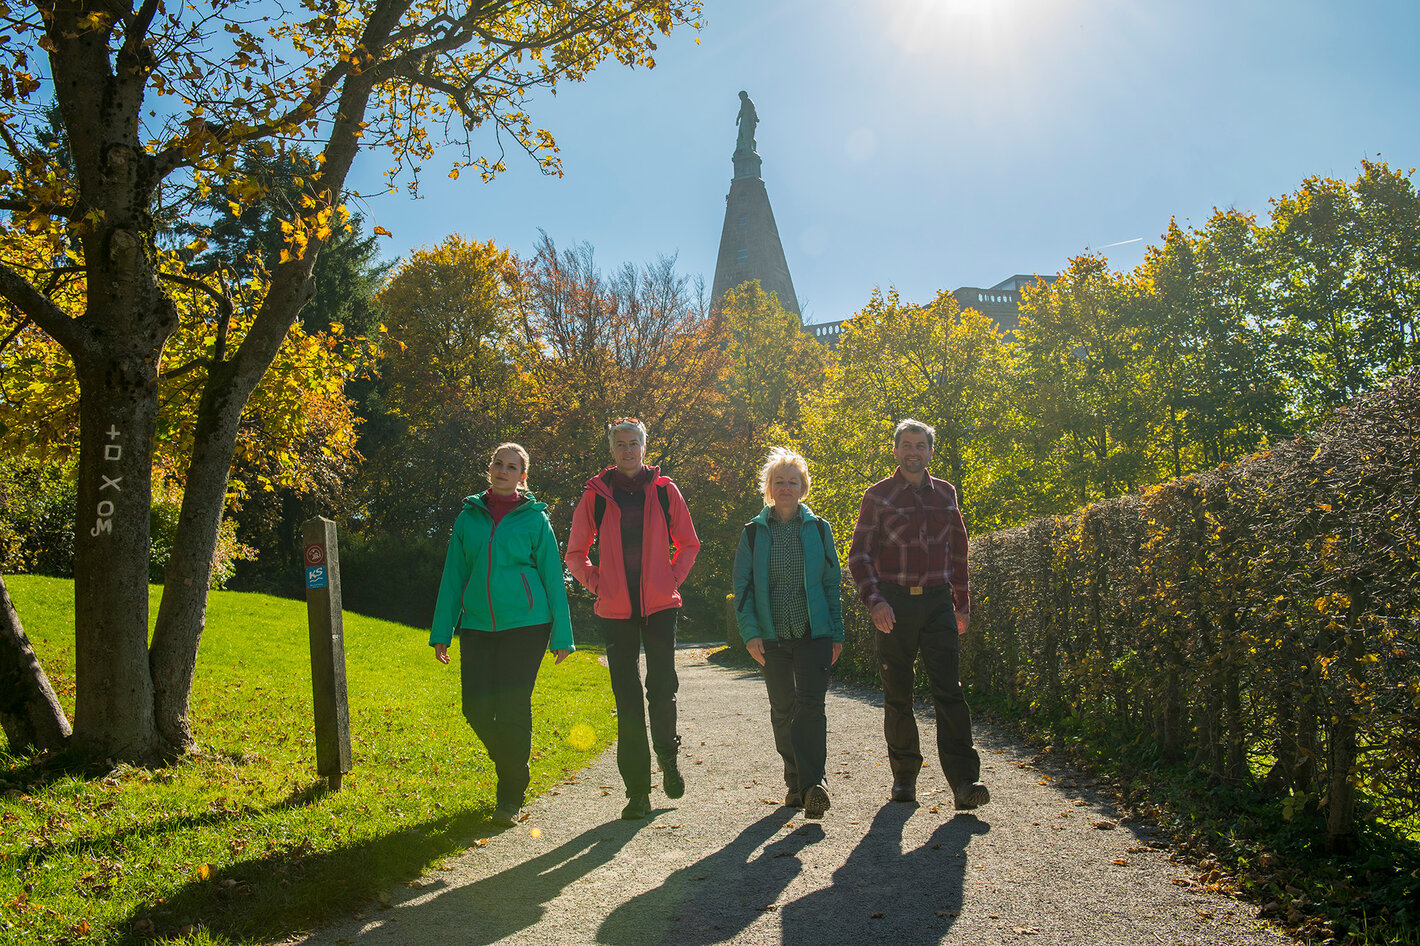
x: 915, y: 590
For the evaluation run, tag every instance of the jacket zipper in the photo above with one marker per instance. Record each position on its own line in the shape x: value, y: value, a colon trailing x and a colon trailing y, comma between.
x: 527, y: 589
x: 803, y: 530
x: 488, y: 581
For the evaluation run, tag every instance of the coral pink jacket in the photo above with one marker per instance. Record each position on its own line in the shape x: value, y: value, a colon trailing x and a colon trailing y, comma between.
x: 662, y: 570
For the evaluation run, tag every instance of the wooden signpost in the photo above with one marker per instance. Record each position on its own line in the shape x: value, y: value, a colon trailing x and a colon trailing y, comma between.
x: 323, y: 608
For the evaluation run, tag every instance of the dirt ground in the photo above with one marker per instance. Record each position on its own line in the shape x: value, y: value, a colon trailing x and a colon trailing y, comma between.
x: 1048, y: 861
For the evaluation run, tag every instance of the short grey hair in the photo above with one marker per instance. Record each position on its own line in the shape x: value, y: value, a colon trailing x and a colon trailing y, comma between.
x: 917, y: 427
x: 625, y: 423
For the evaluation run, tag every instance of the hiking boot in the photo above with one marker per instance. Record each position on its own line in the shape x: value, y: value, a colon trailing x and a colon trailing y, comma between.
x: 637, y: 807
x: 793, y: 799
x: 505, y: 816
x: 671, y: 780
x: 815, y: 802
x: 971, y: 796
x: 904, y: 792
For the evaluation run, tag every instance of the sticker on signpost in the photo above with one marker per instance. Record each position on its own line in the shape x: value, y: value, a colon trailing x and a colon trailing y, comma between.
x: 315, y: 576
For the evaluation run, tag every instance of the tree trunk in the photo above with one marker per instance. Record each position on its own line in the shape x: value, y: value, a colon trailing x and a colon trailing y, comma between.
x: 113, y: 712
x: 182, y: 613
x: 1341, y: 794
x: 29, y: 711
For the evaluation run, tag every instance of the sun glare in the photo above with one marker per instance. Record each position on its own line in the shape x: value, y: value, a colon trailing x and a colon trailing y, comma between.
x: 921, y: 26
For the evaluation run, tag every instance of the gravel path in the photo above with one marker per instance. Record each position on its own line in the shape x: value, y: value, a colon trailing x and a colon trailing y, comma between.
x: 1045, y: 862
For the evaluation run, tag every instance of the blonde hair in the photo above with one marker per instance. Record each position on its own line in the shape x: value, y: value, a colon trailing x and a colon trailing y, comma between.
x: 625, y: 423
x: 780, y: 457
x: 522, y: 453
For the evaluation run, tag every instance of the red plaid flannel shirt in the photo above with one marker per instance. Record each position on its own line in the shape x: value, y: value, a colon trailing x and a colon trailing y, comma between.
x: 909, y: 537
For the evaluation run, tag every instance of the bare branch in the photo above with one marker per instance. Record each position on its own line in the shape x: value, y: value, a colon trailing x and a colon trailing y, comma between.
x: 224, y: 307
x: 63, y: 328
x: 67, y: 211
x: 15, y: 334
x: 187, y: 368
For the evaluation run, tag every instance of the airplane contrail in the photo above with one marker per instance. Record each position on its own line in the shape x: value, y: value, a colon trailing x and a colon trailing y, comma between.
x: 1120, y: 243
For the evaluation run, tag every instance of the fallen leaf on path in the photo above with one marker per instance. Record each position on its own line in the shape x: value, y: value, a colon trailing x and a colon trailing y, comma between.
x: 1025, y: 930
x: 1121, y: 862
x: 877, y: 916
x: 1104, y: 825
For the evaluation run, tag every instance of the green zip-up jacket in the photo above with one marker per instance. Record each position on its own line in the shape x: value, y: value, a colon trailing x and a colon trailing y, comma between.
x: 823, y: 579
x: 498, y: 578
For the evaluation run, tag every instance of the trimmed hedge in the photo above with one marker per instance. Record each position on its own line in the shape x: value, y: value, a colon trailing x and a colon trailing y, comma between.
x: 1260, y: 622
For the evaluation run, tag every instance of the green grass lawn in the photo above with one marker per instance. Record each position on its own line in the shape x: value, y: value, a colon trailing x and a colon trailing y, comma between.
x: 241, y: 842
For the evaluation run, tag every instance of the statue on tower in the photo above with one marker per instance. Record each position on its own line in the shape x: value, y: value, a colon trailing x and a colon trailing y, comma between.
x: 746, y: 119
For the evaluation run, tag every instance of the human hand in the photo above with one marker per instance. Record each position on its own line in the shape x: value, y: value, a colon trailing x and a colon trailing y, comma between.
x: 560, y: 654
x: 884, y: 617
x: 441, y: 653
x: 963, y: 619
x: 755, y: 646
x: 837, y: 650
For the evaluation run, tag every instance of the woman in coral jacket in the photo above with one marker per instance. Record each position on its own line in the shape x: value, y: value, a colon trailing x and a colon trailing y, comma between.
x: 789, y: 609
x: 503, y: 594
x: 646, y: 544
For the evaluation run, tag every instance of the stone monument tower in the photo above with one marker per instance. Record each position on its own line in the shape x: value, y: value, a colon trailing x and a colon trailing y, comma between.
x: 749, y: 240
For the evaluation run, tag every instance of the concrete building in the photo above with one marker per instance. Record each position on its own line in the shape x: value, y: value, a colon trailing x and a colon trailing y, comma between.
x: 1001, y: 303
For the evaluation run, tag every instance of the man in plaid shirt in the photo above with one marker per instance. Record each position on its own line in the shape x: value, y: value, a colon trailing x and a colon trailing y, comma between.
x: 908, y: 559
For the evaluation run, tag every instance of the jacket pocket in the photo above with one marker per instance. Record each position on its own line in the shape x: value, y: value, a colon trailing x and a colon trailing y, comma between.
x: 527, y: 589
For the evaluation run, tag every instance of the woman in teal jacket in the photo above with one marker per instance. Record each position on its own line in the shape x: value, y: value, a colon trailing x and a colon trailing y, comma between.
x: 503, y: 594
x: 790, y: 615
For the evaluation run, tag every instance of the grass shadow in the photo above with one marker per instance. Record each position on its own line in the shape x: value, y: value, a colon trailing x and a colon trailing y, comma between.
x: 268, y: 896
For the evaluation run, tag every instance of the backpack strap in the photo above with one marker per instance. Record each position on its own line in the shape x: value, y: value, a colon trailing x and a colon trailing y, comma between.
x: 750, y: 532
x: 599, y: 508
x: 664, y: 495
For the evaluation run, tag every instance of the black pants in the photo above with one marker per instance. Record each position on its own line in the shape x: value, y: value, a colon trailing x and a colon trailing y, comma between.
x: 796, y: 675
x: 925, y: 622
x: 497, y: 671
x: 624, y: 640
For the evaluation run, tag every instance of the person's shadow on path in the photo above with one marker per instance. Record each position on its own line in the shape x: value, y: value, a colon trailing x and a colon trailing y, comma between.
x: 719, y: 895
x: 883, y: 894
x: 514, y: 899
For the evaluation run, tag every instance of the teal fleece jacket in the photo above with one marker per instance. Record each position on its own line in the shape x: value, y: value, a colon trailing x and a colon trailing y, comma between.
x: 497, y: 578
x: 823, y: 579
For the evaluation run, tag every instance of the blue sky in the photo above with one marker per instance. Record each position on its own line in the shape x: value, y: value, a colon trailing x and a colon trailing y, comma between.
x: 931, y: 144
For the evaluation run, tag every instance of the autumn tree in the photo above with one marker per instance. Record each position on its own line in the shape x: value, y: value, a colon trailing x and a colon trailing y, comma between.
x: 1084, y: 379
x: 775, y: 368
x: 152, y: 97
x: 936, y: 362
x: 446, y: 388
x: 637, y: 342
x: 1214, y: 365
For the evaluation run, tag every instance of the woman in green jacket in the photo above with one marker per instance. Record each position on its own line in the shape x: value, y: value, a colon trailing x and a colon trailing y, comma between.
x: 790, y: 616
x: 503, y: 594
